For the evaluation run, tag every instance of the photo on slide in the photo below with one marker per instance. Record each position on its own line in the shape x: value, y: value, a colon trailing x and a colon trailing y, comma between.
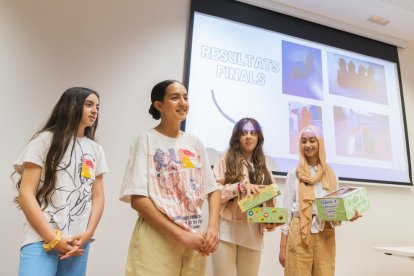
x: 302, y: 71
x: 358, y: 79
x: 300, y: 116
x: 362, y: 134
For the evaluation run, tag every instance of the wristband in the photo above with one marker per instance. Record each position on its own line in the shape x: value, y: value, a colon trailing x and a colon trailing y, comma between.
x: 49, y: 246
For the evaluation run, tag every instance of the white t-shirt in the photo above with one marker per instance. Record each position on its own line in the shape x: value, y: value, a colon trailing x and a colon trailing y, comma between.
x: 174, y: 172
x: 70, y: 202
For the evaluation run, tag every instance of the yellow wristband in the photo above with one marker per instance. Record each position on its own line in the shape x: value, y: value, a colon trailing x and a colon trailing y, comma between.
x: 49, y: 246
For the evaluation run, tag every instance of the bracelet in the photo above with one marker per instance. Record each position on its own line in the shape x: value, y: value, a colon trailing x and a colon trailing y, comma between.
x: 49, y: 246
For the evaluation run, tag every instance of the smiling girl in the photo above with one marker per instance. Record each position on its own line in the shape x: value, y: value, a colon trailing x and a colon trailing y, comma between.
x: 61, y: 187
x: 241, y: 171
x: 307, y: 245
x: 167, y: 178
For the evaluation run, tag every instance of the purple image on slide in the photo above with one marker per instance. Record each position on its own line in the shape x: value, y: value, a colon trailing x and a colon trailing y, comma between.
x: 301, y: 71
x: 362, y: 134
x: 300, y: 116
x: 354, y: 78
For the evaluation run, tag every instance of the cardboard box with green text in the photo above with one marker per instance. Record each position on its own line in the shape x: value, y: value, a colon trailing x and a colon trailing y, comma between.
x: 342, y: 204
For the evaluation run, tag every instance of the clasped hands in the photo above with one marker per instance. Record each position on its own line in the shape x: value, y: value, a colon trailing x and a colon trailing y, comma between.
x: 205, y: 243
x: 72, y: 246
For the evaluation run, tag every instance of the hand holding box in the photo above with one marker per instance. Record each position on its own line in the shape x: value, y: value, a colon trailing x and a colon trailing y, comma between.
x: 265, y: 194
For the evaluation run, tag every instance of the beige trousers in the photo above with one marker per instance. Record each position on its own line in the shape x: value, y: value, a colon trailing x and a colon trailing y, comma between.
x: 230, y: 258
x: 151, y: 253
x: 317, y: 259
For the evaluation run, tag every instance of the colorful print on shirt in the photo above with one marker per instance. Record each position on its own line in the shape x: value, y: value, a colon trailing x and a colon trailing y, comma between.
x: 177, y: 188
x: 187, y: 158
x: 88, y: 168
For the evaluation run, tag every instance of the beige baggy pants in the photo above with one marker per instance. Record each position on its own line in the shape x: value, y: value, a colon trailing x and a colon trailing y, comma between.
x: 152, y: 253
x: 317, y: 259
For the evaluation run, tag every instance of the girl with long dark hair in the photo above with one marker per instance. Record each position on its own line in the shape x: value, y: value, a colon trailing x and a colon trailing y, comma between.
x: 61, y: 187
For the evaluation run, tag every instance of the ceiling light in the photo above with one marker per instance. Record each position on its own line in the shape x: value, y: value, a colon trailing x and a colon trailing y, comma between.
x: 378, y: 20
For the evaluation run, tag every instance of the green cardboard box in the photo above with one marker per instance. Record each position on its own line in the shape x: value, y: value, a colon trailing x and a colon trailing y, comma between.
x: 267, y: 215
x: 342, y: 204
x: 265, y: 194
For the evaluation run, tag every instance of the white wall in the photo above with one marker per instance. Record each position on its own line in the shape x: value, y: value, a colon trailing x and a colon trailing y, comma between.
x: 121, y: 49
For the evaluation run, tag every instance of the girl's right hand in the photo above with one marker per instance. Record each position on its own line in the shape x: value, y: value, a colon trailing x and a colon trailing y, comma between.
x: 252, y: 189
x: 63, y: 246
x: 67, y: 250
x: 191, y: 240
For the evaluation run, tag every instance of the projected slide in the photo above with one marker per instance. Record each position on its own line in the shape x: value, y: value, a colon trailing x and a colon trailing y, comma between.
x: 286, y: 83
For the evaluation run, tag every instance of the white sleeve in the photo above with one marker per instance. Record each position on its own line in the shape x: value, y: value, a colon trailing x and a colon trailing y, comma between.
x: 101, y: 165
x: 136, y: 172
x: 209, y: 179
x: 34, y: 152
x: 289, y: 199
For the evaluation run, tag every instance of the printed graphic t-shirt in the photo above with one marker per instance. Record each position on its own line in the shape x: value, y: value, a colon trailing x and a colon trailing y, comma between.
x: 70, y: 201
x: 173, y: 172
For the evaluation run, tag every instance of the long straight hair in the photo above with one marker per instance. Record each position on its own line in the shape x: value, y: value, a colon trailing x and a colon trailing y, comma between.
x: 63, y: 123
x: 235, y: 158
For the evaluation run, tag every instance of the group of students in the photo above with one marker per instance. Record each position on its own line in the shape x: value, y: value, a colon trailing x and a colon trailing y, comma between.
x: 167, y: 178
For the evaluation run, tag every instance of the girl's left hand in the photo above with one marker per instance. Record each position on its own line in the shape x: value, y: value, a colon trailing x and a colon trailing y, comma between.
x: 77, y: 243
x: 356, y: 216
x: 211, y: 241
x: 282, y: 255
x: 268, y: 227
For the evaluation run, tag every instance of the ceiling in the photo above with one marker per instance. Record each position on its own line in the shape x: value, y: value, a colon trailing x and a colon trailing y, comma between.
x: 352, y: 16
